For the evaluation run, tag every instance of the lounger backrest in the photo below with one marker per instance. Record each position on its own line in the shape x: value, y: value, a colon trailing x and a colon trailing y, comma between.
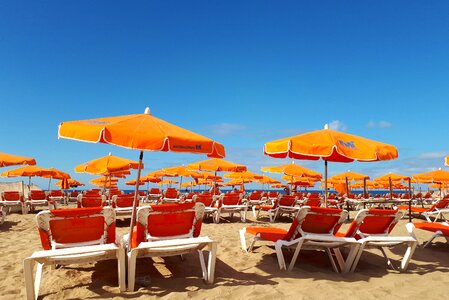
x: 441, y: 204
x: 90, y: 201
x: 171, y: 193
x: 287, y: 200
x: 11, y: 196
x: 75, y: 227
x: 74, y: 194
x: 56, y: 193
x: 155, y: 191
x: 38, y: 195
x: 168, y: 221
x: 313, y: 195
x: 317, y: 220
x: 373, y: 222
x: 230, y: 199
x: 255, y: 196
x: 313, y: 202
x: 123, y: 200
x: 207, y: 200
x: 272, y: 194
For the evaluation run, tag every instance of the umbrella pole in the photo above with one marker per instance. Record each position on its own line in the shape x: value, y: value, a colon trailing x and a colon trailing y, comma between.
x: 148, y: 188
x: 325, y: 183
x: 347, y: 186
x: 133, y: 215
x: 49, y: 181
x: 391, y: 188
x: 410, y: 188
x: 365, y: 193
x: 29, y: 184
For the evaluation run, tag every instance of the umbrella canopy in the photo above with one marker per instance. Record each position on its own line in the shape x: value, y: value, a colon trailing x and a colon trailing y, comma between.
x: 7, y: 160
x: 292, y: 170
x: 330, y: 145
x: 107, y: 165
x: 179, y: 171
x: 446, y: 160
x: 243, y: 175
x: 267, y: 180
x: 217, y: 165
x: 70, y: 183
x: 237, y: 181
x: 142, y: 132
x: 169, y: 182
x: 349, y: 175
x: 432, y: 176
x: 144, y: 179
x: 56, y: 174
x: 392, y: 177
x: 28, y: 171
x: 189, y: 184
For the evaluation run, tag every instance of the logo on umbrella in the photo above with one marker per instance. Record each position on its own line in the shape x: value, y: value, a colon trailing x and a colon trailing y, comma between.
x: 350, y: 144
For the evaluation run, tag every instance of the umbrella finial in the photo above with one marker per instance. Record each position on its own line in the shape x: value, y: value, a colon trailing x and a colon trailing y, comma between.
x: 147, y: 111
x: 110, y: 153
x: 326, y: 126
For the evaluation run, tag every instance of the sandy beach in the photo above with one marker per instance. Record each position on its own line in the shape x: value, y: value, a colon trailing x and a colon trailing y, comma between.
x: 238, y: 275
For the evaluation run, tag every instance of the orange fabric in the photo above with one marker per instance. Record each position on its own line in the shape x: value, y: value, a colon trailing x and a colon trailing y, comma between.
x: 56, y: 193
x: 352, y: 176
x: 205, y: 199
x: 243, y: 175
x: 378, y: 221
x: 266, y: 233
x: 125, y: 201
x: 141, y: 132
x: 11, y: 160
x: 27, y: 171
x: 11, y: 196
x: 217, y: 165
x: 107, y: 164
x: 155, y: 191
x: 38, y: 195
x: 433, y: 176
x: 340, y: 188
x: 70, y: 182
x: 330, y: 145
x: 292, y: 170
x: 433, y: 227
x: 91, y: 202
x: 56, y: 174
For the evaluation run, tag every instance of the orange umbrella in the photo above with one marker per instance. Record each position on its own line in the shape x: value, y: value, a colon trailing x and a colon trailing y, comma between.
x: 7, y: 160
x: 433, y: 176
x: 217, y: 165
x: 243, y: 175
x: 179, y: 171
x: 104, y: 181
x: 142, y: 132
x: 106, y: 165
x: 70, y: 183
x: 350, y: 176
x: 169, y: 182
x: 292, y: 170
x: 29, y: 171
x: 392, y: 177
x: 330, y: 145
x: 446, y: 160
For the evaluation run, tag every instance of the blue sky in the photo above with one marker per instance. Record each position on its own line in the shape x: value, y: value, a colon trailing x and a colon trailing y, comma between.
x: 240, y: 72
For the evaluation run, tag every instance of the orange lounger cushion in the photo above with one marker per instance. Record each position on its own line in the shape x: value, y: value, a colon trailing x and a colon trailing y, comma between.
x: 266, y: 233
x: 414, y: 208
x: 433, y: 227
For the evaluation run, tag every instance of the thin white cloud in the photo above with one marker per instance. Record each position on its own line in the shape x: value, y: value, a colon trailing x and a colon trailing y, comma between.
x: 432, y: 155
x: 226, y: 128
x: 337, y: 125
x: 380, y: 124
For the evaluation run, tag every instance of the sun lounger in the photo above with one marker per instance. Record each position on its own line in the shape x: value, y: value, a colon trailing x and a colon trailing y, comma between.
x: 91, y: 200
x: 438, y: 229
x: 231, y: 203
x: 123, y: 205
x: 170, y: 195
x: 39, y: 198
x: 209, y: 205
x: 436, y: 210
x: 13, y: 199
x: 168, y: 230
x: 57, y: 196
x: 74, y: 236
x: 372, y: 227
x: 312, y: 229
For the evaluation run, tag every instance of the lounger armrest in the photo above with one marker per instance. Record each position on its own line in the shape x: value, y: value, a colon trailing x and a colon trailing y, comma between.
x: 388, y: 239
x: 74, y: 250
x: 175, y: 242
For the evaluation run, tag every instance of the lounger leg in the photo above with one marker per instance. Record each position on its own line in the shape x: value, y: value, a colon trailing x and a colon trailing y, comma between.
x: 28, y: 264
x: 435, y: 235
x: 121, y: 265
x: 295, y: 255
x: 357, y: 257
x: 203, y: 264
x: 132, y: 255
x: 280, y: 256
x: 339, y: 258
x: 408, y: 255
x: 331, y: 258
x: 243, y: 239
x: 254, y: 211
x: 212, y: 259
x: 350, y: 259
x: 389, y: 263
